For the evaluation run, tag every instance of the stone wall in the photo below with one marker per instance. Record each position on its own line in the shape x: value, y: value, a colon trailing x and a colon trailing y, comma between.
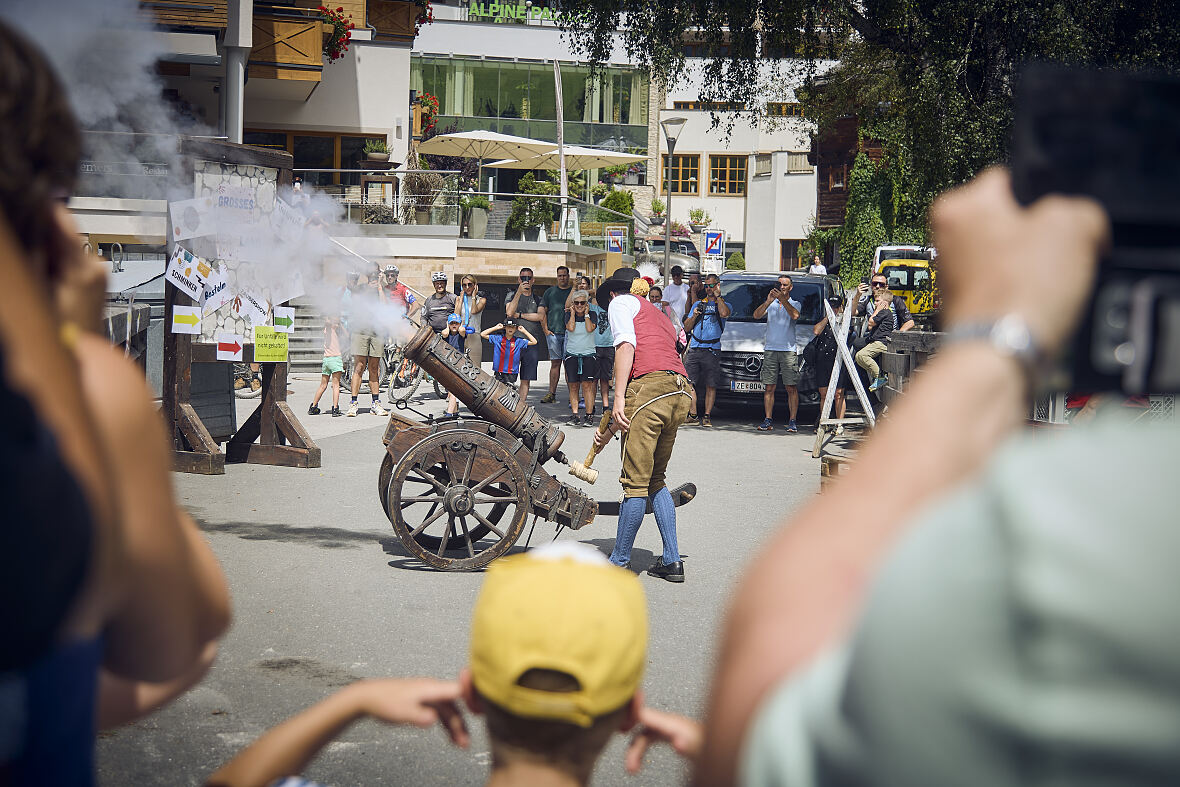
x: 208, y: 176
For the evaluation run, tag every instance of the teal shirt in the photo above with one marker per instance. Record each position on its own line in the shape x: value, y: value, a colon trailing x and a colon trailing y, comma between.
x: 581, y: 341
x: 554, y: 301
x: 1023, y: 631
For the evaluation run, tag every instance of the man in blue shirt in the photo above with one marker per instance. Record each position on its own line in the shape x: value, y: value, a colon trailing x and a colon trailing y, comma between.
x: 704, y: 325
x: 780, y: 358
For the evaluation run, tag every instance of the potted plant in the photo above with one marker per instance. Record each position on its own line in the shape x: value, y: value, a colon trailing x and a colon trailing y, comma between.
x: 598, y: 191
x: 419, y: 188
x: 679, y: 229
x: 530, y: 215
x: 631, y: 177
x: 476, y: 207
x: 698, y: 220
x: 336, y: 41
x: 376, y: 150
x: 429, y: 105
x: 657, y: 212
x: 615, y: 174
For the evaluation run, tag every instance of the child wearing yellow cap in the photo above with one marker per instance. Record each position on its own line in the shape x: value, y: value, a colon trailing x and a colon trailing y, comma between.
x: 558, y: 647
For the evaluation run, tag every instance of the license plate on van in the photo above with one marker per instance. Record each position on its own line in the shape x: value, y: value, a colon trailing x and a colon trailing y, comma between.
x: 743, y: 386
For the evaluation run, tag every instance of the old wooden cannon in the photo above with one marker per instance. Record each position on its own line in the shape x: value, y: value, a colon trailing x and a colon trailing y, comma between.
x: 459, y: 492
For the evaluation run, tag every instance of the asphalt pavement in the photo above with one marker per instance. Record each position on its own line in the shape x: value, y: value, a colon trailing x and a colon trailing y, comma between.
x: 324, y: 594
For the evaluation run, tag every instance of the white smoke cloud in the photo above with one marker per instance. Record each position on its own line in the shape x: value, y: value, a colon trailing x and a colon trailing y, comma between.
x: 105, y: 52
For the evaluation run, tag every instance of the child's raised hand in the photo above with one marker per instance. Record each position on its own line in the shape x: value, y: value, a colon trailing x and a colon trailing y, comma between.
x: 418, y: 701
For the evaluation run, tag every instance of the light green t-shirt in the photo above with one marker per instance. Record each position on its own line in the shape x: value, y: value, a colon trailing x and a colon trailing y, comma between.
x: 1024, y: 632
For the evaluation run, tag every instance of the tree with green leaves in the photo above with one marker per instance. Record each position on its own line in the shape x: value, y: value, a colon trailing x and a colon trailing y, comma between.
x: 932, y: 80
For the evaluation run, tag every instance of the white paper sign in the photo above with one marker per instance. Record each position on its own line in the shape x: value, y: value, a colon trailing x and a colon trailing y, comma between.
x: 188, y: 273
x: 186, y: 319
x: 236, y: 203
x: 284, y: 320
x: 229, y: 347
x: 251, y: 306
x: 290, y: 289
x: 288, y: 222
x: 217, y: 291
x: 193, y: 218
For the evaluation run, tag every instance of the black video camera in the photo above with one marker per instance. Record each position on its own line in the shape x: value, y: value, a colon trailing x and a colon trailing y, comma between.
x: 1114, y: 137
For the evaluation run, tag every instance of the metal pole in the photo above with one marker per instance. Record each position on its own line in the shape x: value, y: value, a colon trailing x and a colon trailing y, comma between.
x: 237, y: 43
x: 668, y: 210
x: 560, y: 144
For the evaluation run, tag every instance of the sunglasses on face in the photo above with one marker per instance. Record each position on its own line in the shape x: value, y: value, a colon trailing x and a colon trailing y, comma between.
x: 526, y: 278
x: 468, y: 284
x: 880, y: 284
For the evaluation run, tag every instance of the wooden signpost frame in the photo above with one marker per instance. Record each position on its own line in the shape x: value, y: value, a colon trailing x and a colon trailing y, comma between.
x: 272, y: 434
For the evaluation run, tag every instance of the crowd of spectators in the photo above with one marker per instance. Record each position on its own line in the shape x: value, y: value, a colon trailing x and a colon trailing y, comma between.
x: 985, y: 626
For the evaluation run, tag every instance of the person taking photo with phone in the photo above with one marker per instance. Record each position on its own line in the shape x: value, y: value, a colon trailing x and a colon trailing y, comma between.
x: 780, y: 357
x: 704, y: 325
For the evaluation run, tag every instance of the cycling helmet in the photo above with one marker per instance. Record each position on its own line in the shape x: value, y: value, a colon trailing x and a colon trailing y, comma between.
x: 438, y: 276
x: 392, y: 269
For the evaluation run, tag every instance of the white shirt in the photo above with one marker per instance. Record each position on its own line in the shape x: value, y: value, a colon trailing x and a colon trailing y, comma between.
x: 621, y: 314
x: 676, y: 295
x: 820, y: 269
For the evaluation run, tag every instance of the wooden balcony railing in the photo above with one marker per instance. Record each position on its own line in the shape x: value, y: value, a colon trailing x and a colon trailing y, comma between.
x: 195, y: 14
x: 287, y: 46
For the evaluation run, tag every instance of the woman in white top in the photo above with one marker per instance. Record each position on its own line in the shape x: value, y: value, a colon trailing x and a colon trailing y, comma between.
x: 469, y: 306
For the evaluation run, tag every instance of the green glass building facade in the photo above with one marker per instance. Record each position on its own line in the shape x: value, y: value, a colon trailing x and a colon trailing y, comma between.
x: 513, y: 97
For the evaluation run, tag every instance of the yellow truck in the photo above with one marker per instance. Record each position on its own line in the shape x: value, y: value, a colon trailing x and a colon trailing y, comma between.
x: 913, y: 275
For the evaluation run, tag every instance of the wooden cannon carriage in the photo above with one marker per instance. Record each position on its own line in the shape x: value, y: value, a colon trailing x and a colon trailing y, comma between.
x: 459, y: 492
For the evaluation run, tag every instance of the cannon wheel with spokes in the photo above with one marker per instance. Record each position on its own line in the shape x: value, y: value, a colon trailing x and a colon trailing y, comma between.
x: 458, y: 499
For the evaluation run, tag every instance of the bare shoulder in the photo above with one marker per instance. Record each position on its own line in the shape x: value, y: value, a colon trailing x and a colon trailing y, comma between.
x: 115, y: 388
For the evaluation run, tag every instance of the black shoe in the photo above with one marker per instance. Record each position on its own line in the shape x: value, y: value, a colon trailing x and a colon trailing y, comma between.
x: 336, y: 412
x: 313, y: 410
x: 672, y: 573
x: 574, y: 420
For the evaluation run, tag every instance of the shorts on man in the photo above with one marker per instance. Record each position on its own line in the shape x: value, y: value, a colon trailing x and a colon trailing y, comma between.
x: 366, y: 344
x: 506, y: 377
x: 606, y: 362
x: 780, y: 364
x: 703, y: 367
x: 331, y: 365
x: 556, y: 344
x: 581, y: 368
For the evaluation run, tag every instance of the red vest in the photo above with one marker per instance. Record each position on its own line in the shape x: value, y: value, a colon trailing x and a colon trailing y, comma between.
x: 655, y: 342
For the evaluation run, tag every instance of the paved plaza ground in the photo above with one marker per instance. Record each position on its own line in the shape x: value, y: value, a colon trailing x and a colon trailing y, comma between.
x: 324, y: 594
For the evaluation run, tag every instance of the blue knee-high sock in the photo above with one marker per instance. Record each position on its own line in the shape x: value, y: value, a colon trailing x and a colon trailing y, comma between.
x: 665, y: 511
x: 630, y: 518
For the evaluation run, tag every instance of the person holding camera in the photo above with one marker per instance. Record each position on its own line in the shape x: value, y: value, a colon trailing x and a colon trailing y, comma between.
x: 469, y: 307
x: 525, y: 308
x: 988, y: 624
x: 780, y: 357
x: 704, y: 325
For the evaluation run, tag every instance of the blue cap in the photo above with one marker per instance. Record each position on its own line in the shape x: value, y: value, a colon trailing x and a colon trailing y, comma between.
x: 454, y: 318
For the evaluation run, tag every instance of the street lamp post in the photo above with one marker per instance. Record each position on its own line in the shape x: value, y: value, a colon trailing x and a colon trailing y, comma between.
x: 672, y: 128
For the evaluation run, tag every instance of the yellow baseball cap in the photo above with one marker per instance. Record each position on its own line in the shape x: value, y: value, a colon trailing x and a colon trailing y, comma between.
x: 560, y: 607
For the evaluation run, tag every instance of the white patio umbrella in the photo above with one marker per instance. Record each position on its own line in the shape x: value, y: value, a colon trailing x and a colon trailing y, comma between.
x: 576, y: 157
x: 484, y: 145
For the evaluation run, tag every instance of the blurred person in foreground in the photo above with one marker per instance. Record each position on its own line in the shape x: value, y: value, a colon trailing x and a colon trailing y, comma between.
x: 114, y: 599
x: 557, y: 652
x: 1006, y: 616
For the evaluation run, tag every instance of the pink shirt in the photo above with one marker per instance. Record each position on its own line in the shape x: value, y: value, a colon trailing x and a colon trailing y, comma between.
x: 331, y: 340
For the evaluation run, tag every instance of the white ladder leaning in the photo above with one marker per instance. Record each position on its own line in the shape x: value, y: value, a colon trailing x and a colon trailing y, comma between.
x: 843, y: 359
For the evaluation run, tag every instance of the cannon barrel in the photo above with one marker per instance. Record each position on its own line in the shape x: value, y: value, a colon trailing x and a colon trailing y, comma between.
x: 486, y: 396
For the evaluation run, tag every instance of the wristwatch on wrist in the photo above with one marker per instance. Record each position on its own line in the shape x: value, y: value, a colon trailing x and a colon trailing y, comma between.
x: 1008, y: 336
